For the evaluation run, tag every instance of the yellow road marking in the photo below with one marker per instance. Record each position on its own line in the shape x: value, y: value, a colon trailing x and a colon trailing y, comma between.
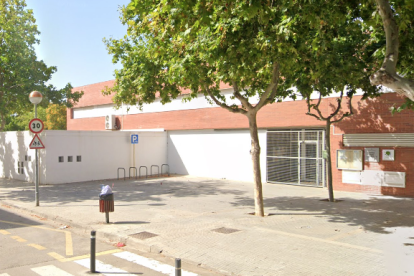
x: 56, y: 256
x: 63, y: 259
x: 343, y: 235
x: 4, y: 232
x: 68, y: 235
x: 37, y: 246
x: 17, y: 238
x: 69, y: 248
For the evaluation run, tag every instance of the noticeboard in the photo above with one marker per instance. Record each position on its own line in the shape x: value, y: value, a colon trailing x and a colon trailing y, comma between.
x: 372, y: 155
x: 349, y: 160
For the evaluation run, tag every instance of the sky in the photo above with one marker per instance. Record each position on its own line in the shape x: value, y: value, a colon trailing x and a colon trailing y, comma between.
x: 71, y: 33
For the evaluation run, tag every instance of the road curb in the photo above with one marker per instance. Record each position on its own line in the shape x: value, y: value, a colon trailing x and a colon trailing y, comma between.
x: 107, y: 236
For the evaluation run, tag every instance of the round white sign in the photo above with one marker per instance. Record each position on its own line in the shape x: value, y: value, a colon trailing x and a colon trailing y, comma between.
x: 36, y: 125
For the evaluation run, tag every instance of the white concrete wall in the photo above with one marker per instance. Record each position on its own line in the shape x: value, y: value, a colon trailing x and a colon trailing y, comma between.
x: 102, y: 153
x: 150, y: 150
x: 208, y: 153
x: 214, y: 153
x: 14, y: 147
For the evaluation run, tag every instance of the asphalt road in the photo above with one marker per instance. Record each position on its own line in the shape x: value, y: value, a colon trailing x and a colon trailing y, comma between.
x: 31, y: 245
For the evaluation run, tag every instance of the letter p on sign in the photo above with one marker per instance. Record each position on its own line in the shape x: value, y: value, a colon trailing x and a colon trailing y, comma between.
x: 134, y: 138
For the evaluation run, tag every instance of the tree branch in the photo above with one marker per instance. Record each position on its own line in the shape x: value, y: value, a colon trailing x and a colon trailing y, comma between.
x: 347, y: 114
x: 328, y: 119
x: 233, y: 109
x: 16, y: 85
x: 391, y: 35
x: 387, y: 75
x: 339, y: 105
x: 243, y: 100
x: 313, y: 115
x: 271, y: 90
x: 316, y: 107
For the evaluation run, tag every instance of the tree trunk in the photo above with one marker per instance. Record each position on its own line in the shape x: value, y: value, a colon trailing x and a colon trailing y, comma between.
x: 255, y: 153
x: 2, y: 117
x: 387, y: 74
x: 329, y: 160
x: 2, y: 122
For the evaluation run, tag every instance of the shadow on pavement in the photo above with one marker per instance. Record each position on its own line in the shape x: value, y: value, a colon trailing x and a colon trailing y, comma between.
x: 9, y: 220
x: 124, y: 191
x: 374, y: 214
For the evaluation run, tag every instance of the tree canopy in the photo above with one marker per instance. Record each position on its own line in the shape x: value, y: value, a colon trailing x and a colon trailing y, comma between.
x: 20, y: 71
x: 199, y: 45
x: 56, y: 117
x: 20, y: 122
x: 261, y: 48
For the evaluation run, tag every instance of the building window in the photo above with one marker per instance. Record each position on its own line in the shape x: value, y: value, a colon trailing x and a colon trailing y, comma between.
x: 20, y: 168
x: 61, y: 159
x: 70, y: 158
x: 78, y: 158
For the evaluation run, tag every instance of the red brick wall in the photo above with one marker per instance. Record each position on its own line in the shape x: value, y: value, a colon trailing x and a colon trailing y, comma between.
x: 374, y: 116
x: 279, y: 115
x: 93, y: 94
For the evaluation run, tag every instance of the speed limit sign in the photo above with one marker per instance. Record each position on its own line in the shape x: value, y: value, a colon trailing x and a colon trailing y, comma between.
x: 36, y: 125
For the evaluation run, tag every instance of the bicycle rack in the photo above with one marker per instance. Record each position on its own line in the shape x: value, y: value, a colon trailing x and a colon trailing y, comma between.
x: 136, y: 172
x: 168, y: 168
x: 146, y: 171
x: 158, y: 167
x: 118, y: 172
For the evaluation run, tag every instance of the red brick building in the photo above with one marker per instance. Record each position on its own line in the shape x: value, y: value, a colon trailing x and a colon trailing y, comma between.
x: 377, y: 147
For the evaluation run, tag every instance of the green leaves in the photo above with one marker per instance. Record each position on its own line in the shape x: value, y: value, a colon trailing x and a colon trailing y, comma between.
x: 196, y: 45
x: 20, y: 71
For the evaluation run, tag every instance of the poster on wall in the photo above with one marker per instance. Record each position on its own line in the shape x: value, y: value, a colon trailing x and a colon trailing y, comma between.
x: 371, y: 155
x: 387, y: 155
x: 349, y: 160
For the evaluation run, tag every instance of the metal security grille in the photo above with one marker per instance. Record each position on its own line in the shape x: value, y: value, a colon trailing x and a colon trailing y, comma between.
x: 295, y: 157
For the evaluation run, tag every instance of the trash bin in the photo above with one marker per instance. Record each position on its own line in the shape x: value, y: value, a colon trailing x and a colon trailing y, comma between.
x: 106, y: 202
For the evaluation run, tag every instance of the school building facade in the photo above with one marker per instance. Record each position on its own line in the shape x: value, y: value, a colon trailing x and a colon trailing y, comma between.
x: 372, y: 151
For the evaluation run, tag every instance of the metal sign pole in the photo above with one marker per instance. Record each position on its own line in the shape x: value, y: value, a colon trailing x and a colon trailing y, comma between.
x: 35, y: 98
x: 36, y: 169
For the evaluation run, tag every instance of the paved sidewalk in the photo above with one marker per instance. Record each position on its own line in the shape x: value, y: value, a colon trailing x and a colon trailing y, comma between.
x: 193, y: 218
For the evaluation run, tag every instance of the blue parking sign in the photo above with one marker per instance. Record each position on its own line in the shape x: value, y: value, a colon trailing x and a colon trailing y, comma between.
x: 134, y: 138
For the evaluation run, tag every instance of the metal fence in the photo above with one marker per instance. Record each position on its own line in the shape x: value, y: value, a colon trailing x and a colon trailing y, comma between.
x: 295, y: 157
